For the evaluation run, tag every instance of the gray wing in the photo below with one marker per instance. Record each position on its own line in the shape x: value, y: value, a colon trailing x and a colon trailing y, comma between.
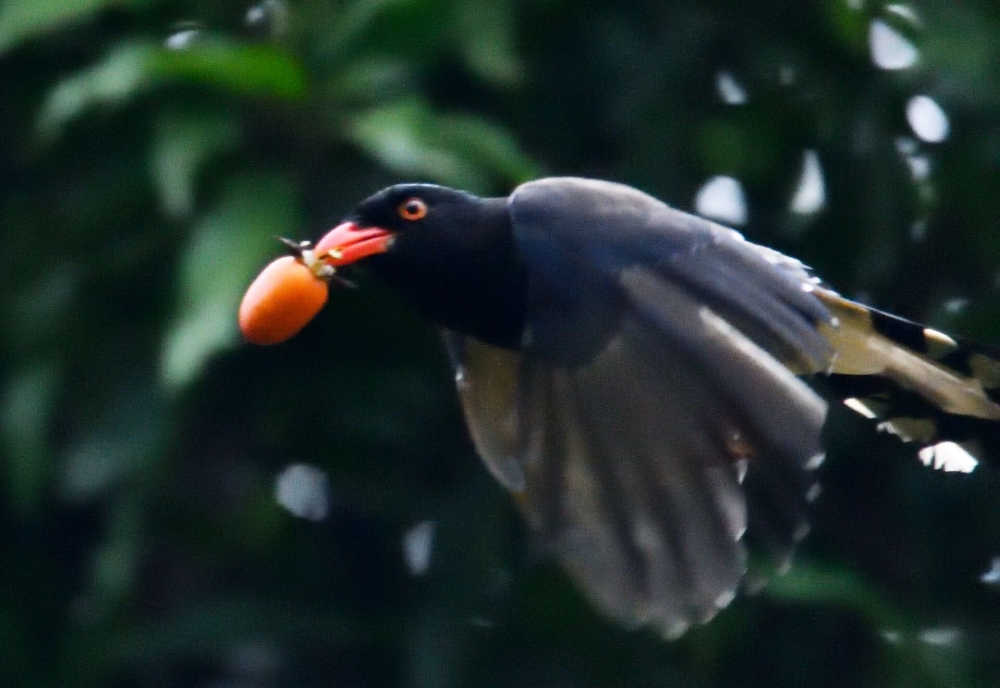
x: 628, y: 467
x: 644, y: 388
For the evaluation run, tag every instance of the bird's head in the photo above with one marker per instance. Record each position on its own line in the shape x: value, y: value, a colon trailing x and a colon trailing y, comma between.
x: 449, y: 253
x: 402, y: 219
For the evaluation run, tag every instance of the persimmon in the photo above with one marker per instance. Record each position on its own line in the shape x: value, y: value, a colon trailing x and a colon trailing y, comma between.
x: 286, y: 295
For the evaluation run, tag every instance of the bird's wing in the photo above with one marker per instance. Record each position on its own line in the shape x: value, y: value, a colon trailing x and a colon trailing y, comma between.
x: 626, y: 422
x: 923, y: 384
x: 578, y: 237
x: 660, y: 360
x: 488, y: 380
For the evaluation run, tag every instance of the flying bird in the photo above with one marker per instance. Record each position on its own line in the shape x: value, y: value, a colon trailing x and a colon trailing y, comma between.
x: 636, y: 375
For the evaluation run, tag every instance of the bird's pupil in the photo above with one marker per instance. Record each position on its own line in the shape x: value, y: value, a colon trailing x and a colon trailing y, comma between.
x: 413, y: 208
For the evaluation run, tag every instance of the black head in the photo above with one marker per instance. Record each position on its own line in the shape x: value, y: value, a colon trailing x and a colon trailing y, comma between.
x: 450, y: 253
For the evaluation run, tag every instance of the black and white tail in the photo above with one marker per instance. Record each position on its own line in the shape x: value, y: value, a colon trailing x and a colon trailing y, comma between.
x: 920, y: 384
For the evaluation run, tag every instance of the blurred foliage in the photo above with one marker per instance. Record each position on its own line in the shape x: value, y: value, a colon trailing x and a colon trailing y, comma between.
x: 153, y: 149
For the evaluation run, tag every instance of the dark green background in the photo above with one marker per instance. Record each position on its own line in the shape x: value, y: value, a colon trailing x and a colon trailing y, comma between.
x: 140, y: 541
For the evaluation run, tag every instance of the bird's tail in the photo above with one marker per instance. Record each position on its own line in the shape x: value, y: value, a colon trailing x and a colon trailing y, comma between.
x: 920, y: 384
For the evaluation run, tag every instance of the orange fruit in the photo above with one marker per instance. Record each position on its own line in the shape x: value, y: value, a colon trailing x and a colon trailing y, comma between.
x: 282, y: 300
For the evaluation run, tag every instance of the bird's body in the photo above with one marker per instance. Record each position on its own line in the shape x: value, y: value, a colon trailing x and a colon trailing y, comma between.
x: 634, y: 374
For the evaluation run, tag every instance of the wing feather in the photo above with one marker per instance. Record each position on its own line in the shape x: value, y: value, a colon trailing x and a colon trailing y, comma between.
x: 659, y: 361
x: 646, y: 380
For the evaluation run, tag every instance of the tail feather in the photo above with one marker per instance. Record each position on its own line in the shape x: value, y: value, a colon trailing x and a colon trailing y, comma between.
x: 923, y: 385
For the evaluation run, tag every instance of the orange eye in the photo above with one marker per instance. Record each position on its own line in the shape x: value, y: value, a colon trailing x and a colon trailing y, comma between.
x: 281, y: 301
x: 413, y: 209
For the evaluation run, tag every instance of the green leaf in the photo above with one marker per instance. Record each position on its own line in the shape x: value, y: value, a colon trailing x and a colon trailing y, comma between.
x: 491, y: 146
x: 25, y: 412
x: 118, y: 77
x: 226, y: 249
x: 352, y: 22
x: 21, y: 20
x: 370, y: 79
x: 133, y: 68
x: 259, y: 70
x: 184, y: 142
x: 404, y: 138
x: 462, y: 151
x: 840, y: 587
x: 486, y: 32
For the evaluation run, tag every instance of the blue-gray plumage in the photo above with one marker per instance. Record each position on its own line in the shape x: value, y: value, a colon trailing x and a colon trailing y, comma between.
x: 633, y: 374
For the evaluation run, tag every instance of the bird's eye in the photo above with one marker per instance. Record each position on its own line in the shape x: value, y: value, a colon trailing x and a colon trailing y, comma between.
x: 413, y: 209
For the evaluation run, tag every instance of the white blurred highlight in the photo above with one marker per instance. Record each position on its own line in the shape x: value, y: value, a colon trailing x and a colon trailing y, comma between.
x: 810, y: 195
x: 950, y: 457
x: 730, y: 90
x: 928, y: 121
x: 302, y: 490
x: 721, y: 198
x: 941, y: 637
x: 182, y: 39
x: 992, y: 575
x: 890, y: 49
x: 418, y: 543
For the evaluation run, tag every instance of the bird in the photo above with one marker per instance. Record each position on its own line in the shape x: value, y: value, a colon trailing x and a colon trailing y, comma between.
x: 650, y: 385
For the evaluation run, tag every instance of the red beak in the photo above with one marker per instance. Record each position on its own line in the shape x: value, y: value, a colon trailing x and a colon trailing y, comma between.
x: 347, y: 243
